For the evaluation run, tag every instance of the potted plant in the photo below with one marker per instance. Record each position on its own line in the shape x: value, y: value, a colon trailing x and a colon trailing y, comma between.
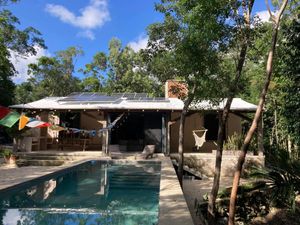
x: 8, y: 156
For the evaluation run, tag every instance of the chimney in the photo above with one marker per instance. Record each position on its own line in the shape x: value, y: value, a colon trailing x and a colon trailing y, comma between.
x: 175, y: 89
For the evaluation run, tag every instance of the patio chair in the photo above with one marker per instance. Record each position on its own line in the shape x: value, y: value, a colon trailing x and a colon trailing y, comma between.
x: 146, y: 153
x: 199, y: 140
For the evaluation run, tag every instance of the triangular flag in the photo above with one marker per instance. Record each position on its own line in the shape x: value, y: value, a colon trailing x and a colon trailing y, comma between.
x: 57, y: 128
x: 3, y: 111
x: 34, y: 123
x: 10, y: 119
x: 44, y: 125
x: 23, y: 121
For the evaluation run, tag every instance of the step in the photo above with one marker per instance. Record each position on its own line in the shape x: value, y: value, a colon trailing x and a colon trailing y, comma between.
x: 21, y: 162
x: 50, y: 157
x: 58, y: 153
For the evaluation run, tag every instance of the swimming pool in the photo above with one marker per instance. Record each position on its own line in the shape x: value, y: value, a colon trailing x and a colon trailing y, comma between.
x: 96, y: 192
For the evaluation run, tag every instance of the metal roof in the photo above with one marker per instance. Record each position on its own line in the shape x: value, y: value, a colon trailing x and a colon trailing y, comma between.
x: 127, y: 101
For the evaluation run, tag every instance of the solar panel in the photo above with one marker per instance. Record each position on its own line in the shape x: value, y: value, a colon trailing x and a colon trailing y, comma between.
x: 141, y: 95
x: 161, y: 99
x: 100, y: 98
x: 148, y: 99
x: 117, y: 94
x: 88, y: 98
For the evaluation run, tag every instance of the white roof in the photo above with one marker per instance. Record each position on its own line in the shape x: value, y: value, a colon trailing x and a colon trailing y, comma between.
x: 56, y: 103
x: 237, y: 104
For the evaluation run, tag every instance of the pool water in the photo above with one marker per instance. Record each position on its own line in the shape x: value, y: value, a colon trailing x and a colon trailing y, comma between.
x: 93, y: 193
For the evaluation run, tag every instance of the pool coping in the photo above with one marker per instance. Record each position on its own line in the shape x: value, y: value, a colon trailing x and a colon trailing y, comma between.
x: 173, y: 208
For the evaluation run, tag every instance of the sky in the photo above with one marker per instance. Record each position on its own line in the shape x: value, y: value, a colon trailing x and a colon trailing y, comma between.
x: 88, y: 24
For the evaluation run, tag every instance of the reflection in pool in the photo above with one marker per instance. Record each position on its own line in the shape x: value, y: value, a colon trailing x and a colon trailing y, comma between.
x: 95, y: 192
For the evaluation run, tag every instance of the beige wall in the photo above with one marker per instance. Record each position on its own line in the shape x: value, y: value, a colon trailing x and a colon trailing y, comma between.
x: 92, y: 120
x: 233, y: 125
x: 196, y: 122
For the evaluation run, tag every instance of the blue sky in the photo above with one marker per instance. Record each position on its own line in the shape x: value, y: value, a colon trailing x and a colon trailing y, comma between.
x: 89, y: 24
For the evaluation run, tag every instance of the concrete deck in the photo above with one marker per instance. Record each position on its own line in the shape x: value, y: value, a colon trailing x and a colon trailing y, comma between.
x: 173, y: 208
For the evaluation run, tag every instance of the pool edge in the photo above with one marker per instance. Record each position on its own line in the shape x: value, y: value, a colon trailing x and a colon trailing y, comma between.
x: 173, y: 208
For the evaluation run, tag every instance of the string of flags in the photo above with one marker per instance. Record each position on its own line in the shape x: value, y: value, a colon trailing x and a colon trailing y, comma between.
x: 8, y: 118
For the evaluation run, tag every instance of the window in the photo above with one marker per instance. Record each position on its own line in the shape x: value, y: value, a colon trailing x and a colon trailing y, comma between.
x: 211, y: 123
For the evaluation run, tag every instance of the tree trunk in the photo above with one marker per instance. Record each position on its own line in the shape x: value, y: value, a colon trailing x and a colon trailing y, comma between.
x: 187, y: 103
x: 242, y: 156
x: 223, y: 119
x: 276, y: 126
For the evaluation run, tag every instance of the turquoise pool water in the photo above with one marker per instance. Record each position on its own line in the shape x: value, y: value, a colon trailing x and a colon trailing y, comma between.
x: 93, y: 193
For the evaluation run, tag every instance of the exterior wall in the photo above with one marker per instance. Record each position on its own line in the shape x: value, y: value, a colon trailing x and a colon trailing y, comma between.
x: 233, y: 125
x: 196, y: 122
x: 93, y: 120
x: 205, y: 162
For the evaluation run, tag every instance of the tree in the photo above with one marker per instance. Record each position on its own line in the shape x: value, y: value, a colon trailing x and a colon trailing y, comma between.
x: 188, y: 46
x: 53, y: 76
x: 242, y: 40
x: 24, y: 93
x: 121, y: 70
x: 94, y: 71
x: 291, y: 72
x: 22, y: 42
x: 276, y: 20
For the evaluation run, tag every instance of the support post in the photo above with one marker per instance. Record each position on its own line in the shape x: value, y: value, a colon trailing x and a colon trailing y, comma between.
x: 260, y: 136
x: 163, y: 133
x: 104, y: 136
x: 168, y: 133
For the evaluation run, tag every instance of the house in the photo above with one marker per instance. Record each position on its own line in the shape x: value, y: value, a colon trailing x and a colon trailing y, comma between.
x: 135, y: 120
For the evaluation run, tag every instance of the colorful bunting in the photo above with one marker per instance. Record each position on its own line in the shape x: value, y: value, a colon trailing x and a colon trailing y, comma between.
x: 44, y: 125
x: 34, y: 123
x: 23, y: 121
x: 3, y: 112
x: 10, y: 119
x: 57, y: 128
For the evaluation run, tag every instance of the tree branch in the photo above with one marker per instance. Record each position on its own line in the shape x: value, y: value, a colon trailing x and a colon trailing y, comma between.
x: 269, y: 10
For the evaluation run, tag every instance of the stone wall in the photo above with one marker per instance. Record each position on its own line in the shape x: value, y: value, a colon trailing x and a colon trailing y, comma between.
x: 205, y: 162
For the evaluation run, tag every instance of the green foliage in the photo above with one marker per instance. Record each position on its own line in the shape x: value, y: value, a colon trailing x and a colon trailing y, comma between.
x: 291, y: 72
x: 6, y: 72
x: 121, y: 70
x: 21, y: 42
x: 234, y: 142
x: 282, y: 109
x: 187, y: 44
x: 282, y: 178
x: 51, y: 76
x: 6, y: 153
x: 24, y: 93
x: 251, y: 203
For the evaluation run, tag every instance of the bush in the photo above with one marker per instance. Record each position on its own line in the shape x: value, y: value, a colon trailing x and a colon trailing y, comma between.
x: 234, y: 142
x: 282, y: 178
x: 6, y: 153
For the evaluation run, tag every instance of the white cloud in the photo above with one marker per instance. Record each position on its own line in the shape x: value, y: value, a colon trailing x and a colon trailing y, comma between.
x: 140, y: 43
x: 94, y: 15
x: 263, y: 15
x: 87, y: 34
x: 21, y: 63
